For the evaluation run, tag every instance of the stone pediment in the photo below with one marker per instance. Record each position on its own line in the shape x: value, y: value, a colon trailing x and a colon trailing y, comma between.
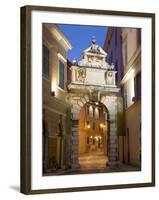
x: 96, y: 50
x: 93, y: 70
x: 94, y: 56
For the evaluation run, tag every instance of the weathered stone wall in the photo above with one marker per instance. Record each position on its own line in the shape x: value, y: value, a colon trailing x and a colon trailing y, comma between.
x: 111, y: 103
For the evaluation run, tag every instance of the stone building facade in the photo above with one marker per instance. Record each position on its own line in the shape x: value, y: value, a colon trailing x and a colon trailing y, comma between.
x: 56, y: 112
x: 131, y: 86
x: 124, y: 45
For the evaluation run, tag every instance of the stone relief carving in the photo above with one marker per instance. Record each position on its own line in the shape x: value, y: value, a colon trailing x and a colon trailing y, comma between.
x: 80, y: 74
x: 110, y: 77
x: 93, y: 69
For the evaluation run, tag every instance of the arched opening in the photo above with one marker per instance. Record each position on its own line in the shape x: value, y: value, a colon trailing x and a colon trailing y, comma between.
x: 93, y: 136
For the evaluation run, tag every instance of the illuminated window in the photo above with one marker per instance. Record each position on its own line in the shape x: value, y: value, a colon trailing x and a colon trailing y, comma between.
x: 96, y: 113
x: 90, y: 111
x: 88, y: 125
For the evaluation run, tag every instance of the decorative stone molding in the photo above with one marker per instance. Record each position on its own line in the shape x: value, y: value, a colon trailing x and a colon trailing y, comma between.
x: 93, y: 79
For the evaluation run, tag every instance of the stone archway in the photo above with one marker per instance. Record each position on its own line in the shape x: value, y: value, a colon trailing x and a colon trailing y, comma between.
x: 93, y: 79
x: 77, y: 101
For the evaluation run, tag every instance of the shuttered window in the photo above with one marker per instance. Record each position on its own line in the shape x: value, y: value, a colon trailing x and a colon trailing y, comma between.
x: 61, y: 75
x: 137, y: 85
x: 46, y: 62
x: 138, y: 37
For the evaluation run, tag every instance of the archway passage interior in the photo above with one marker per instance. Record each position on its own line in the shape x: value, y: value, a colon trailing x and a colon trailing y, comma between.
x: 93, y: 136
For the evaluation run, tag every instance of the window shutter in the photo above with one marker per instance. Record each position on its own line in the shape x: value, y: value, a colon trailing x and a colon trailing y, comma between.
x: 46, y: 61
x: 61, y: 75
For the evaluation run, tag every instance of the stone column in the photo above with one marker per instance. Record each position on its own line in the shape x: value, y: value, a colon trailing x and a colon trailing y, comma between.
x: 75, y: 138
x: 111, y: 104
x: 112, y: 146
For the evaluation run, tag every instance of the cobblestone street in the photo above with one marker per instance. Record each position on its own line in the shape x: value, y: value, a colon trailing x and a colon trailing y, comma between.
x: 93, y: 160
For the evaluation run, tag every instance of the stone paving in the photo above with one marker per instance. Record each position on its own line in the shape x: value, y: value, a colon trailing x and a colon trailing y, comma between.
x: 94, y: 162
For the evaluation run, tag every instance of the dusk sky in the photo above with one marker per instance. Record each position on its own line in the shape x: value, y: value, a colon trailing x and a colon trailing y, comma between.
x: 80, y: 37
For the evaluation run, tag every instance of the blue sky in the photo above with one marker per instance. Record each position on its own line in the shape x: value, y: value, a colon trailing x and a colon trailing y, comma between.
x: 80, y: 37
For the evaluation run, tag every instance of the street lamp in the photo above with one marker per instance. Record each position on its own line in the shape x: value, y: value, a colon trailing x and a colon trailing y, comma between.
x: 101, y: 125
x: 88, y: 126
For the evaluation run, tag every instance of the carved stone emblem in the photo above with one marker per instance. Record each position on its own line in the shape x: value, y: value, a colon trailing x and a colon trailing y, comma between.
x: 81, y: 74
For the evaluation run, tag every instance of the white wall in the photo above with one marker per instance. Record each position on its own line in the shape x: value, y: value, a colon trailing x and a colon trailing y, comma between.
x: 9, y: 106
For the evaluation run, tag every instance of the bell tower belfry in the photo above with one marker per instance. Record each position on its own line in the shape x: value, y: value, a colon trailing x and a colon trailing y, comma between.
x: 94, y: 80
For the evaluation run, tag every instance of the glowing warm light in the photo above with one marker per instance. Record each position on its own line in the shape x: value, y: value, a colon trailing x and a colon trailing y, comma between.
x: 98, y: 137
x: 96, y: 112
x: 101, y: 125
x: 96, y: 103
x: 88, y: 126
x: 91, y: 111
x: 53, y: 86
x: 131, y: 88
x: 129, y: 80
x: 61, y: 57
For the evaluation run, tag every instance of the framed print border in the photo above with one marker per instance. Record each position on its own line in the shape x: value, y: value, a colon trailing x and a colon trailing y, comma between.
x: 26, y: 82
